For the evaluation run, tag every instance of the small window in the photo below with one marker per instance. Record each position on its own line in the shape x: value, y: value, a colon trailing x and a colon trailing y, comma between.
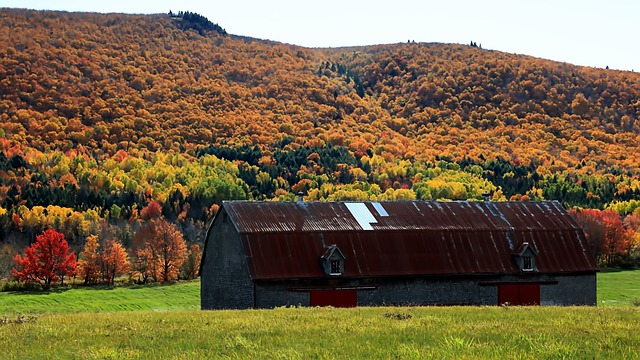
x: 335, y: 267
x: 332, y: 261
x: 526, y: 263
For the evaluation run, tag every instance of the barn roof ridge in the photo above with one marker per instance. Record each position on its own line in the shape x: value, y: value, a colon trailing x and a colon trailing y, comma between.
x: 302, y: 217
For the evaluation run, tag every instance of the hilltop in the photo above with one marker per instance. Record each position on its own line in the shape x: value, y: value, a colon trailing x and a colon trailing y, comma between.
x: 106, y: 112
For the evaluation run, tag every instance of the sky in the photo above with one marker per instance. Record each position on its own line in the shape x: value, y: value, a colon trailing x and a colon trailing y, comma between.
x: 582, y: 32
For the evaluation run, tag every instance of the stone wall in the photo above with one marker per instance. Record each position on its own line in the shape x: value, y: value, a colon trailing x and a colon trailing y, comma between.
x: 570, y: 290
x: 451, y: 290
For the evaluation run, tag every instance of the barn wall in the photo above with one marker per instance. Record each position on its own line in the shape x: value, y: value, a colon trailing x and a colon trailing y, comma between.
x: 225, y: 280
x: 463, y: 291
x: 570, y: 290
x: 407, y: 291
x: 475, y: 290
x: 272, y: 295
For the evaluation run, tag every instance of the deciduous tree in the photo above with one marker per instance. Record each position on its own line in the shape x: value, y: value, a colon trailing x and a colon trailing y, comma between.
x: 163, y: 250
x: 114, y: 261
x: 191, y: 266
x: 46, y: 261
x: 89, y: 261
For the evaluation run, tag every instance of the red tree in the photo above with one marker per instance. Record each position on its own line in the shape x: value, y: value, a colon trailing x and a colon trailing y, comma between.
x: 606, y: 232
x: 153, y: 210
x: 618, y: 238
x: 46, y: 261
x: 591, y: 222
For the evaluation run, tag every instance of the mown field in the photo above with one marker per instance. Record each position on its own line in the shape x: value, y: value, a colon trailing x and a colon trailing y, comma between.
x: 159, y: 322
x: 619, y: 288
x: 181, y: 296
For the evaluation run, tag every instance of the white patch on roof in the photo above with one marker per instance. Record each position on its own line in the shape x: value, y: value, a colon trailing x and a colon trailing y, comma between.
x: 361, y: 213
x: 380, y: 209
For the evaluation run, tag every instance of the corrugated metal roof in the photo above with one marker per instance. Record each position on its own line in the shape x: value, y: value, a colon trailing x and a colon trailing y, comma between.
x: 287, y: 239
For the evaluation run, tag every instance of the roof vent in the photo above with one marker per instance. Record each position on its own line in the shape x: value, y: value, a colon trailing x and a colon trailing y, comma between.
x: 300, y: 196
x: 486, y: 195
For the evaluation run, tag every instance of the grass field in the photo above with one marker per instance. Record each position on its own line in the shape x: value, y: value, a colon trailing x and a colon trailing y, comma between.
x: 159, y: 322
x: 181, y: 296
x: 324, y: 333
x: 618, y: 288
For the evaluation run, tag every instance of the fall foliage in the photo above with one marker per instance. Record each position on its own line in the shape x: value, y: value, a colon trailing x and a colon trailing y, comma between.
x: 46, y: 261
x: 109, y: 122
x: 89, y: 261
x: 114, y: 261
x: 161, y: 252
x: 102, y: 265
x: 191, y: 265
x: 612, y: 240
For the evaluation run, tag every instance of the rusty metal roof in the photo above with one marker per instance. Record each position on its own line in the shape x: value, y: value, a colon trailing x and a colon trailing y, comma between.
x: 287, y: 239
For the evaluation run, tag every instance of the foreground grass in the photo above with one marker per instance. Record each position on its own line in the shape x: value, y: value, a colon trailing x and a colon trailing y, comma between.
x: 618, y: 288
x: 325, y: 333
x: 149, y: 322
x: 181, y: 296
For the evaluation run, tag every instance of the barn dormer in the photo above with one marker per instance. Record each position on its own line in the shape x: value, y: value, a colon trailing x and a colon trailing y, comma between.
x: 525, y: 257
x: 333, y: 261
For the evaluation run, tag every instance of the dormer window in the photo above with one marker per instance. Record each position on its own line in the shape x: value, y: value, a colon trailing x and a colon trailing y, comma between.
x: 332, y: 261
x: 336, y: 269
x: 525, y: 257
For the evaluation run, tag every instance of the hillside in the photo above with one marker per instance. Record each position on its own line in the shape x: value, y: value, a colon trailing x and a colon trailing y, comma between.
x: 101, y: 113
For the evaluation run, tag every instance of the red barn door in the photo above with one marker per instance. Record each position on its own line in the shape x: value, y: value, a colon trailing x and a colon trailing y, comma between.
x: 519, y: 294
x: 335, y: 298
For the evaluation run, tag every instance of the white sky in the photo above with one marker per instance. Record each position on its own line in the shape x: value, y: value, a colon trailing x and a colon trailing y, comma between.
x: 582, y: 32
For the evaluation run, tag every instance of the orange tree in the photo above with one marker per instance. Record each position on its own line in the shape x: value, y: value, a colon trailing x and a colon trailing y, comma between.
x: 162, y: 252
x: 191, y: 266
x: 46, y: 261
x: 114, y: 261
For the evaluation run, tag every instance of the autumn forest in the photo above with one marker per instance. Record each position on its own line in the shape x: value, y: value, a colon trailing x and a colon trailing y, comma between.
x: 113, y: 126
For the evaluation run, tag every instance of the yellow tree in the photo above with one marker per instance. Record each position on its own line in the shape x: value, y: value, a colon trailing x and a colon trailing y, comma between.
x: 89, y: 261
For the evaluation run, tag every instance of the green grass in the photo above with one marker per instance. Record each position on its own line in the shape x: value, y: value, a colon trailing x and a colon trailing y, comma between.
x: 181, y: 296
x: 325, y: 333
x: 618, y: 288
x: 150, y: 322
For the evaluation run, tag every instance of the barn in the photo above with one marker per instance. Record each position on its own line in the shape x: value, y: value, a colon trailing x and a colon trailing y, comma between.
x: 344, y: 254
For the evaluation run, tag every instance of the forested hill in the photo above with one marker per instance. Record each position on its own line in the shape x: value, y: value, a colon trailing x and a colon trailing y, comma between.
x: 107, y: 112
